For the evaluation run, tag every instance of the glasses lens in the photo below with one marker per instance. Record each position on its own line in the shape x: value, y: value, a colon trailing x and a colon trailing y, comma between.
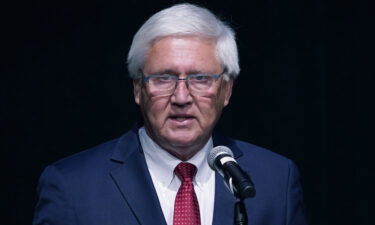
x: 161, y: 81
x: 200, y: 82
x: 161, y: 84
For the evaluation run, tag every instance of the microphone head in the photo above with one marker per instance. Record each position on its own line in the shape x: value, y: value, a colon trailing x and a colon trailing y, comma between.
x: 215, y: 152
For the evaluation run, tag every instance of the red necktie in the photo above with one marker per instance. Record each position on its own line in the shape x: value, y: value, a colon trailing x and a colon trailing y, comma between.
x: 186, y: 207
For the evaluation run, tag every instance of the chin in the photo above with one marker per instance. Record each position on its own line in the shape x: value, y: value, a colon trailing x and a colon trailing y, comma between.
x: 182, y: 139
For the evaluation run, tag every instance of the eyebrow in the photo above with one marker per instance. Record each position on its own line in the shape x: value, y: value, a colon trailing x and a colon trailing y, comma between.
x: 173, y: 72
x: 166, y: 72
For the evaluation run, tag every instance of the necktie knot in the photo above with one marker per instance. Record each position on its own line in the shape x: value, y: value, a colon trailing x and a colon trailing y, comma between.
x: 185, y: 171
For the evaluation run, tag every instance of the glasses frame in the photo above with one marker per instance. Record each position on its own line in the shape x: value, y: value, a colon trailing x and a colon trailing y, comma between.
x: 145, y: 78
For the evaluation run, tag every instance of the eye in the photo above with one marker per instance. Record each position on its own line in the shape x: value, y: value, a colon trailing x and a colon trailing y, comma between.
x: 199, y: 78
x: 164, y: 77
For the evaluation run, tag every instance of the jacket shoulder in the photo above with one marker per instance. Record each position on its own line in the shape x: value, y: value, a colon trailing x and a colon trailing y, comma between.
x: 87, y: 158
x: 249, y: 150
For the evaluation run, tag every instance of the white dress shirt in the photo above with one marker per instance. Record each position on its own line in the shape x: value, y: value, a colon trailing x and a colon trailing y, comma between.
x: 161, y: 165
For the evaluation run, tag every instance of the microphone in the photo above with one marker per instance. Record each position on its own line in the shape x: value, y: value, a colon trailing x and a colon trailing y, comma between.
x: 238, y: 181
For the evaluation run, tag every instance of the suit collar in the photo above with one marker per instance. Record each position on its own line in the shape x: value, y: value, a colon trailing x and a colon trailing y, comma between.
x: 134, y: 181
x: 220, y: 139
x: 127, y: 144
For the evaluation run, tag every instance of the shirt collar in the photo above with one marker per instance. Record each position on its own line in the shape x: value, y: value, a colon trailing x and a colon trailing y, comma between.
x: 161, y: 163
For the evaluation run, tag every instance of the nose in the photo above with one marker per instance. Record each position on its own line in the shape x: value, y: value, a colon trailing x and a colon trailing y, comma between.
x: 181, y: 95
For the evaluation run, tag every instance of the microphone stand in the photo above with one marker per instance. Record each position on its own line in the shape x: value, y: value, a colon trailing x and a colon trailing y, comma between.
x: 240, y: 213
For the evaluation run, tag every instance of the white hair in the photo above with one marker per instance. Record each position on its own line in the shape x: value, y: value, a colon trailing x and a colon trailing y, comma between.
x: 184, y: 19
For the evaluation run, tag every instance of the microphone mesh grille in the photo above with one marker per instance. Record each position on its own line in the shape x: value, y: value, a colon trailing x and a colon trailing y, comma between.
x: 213, y: 153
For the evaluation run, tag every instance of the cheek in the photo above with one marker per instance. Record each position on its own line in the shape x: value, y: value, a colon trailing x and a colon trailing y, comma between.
x: 154, y: 108
x: 209, y: 108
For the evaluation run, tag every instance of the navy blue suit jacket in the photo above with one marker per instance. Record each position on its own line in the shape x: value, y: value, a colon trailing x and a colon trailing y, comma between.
x: 110, y: 185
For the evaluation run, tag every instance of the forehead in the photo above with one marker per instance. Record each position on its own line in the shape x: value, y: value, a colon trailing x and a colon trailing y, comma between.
x: 182, y: 54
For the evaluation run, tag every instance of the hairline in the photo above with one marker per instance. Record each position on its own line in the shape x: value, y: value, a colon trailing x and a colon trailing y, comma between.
x: 186, y: 35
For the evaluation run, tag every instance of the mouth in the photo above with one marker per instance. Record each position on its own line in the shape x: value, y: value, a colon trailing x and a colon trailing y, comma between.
x: 181, y: 119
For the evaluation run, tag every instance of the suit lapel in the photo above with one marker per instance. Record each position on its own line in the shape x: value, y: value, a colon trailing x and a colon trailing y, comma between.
x: 134, y: 181
x: 224, y: 203
x: 224, y: 199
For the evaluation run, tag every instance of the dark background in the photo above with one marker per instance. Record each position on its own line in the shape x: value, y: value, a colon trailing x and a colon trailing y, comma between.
x: 304, y: 91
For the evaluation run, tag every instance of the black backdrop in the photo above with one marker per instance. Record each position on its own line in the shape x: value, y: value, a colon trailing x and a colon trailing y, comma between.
x: 304, y: 91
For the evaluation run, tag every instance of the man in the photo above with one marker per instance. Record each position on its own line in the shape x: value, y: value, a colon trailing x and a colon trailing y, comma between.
x: 183, y: 61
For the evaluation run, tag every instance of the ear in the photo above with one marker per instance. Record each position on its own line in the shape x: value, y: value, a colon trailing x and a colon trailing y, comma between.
x: 137, y: 88
x: 227, y: 91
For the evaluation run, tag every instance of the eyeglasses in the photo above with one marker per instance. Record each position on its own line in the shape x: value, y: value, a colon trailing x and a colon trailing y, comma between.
x: 165, y: 84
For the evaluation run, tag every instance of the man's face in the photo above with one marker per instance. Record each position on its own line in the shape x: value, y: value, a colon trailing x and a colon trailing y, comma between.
x: 182, y: 122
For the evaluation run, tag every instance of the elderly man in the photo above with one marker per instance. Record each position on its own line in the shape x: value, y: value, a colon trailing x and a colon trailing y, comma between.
x: 183, y: 61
